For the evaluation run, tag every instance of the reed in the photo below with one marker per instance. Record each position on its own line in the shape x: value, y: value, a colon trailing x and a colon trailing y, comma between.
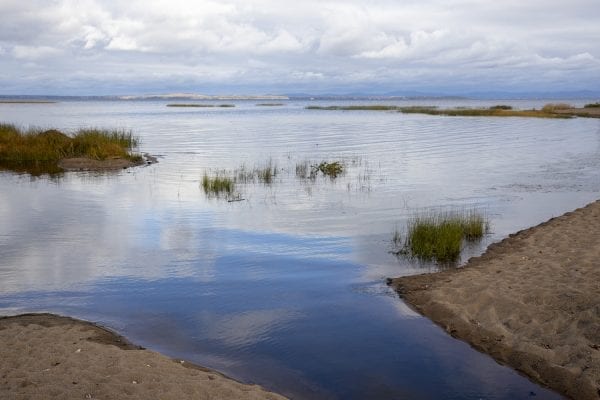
x: 552, y: 107
x: 439, y: 235
x: 218, y: 184
x: 51, y: 146
x: 198, y: 105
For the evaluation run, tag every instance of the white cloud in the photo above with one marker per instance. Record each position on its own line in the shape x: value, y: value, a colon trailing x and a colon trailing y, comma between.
x: 347, y: 43
x: 34, y: 53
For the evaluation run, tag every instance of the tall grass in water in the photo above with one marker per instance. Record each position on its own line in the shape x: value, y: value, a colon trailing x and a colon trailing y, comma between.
x: 218, y: 185
x: 439, y: 236
x: 51, y: 146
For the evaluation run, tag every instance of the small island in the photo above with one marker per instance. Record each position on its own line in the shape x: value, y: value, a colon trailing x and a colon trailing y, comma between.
x: 39, y: 151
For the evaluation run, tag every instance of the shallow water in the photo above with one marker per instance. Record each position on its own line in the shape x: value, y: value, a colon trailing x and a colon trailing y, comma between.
x: 287, y: 287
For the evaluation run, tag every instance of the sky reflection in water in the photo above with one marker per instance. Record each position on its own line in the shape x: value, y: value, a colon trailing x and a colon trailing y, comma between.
x: 286, y: 288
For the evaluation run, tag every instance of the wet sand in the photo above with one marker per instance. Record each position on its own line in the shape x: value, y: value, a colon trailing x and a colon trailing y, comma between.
x: 532, y: 301
x: 47, y: 356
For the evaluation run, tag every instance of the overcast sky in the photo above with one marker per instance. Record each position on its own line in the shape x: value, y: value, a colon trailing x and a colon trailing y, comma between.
x: 269, y: 46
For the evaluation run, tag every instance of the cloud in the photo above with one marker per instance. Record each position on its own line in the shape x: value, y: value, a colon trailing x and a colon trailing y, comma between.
x: 268, y: 44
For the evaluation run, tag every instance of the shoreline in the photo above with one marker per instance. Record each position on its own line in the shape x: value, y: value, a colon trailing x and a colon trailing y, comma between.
x: 531, y: 301
x: 57, y: 356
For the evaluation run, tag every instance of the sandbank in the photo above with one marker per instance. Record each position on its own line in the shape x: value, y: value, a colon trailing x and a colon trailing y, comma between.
x: 48, y: 356
x: 531, y: 301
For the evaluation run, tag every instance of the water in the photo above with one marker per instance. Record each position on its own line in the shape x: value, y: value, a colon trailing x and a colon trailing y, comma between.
x: 286, y: 288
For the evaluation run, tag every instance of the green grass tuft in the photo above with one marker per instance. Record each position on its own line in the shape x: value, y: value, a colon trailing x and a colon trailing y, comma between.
x: 439, y: 236
x: 217, y: 185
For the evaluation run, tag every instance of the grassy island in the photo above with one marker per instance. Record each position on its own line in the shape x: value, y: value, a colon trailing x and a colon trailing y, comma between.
x: 559, y: 110
x: 54, y: 151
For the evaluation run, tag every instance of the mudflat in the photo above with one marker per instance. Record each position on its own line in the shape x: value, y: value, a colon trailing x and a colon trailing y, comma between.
x: 45, y: 356
x: 531, y: 301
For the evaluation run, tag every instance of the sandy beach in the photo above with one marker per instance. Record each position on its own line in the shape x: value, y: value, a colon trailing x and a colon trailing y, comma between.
x: 532, y: 301
x: 47, y: 356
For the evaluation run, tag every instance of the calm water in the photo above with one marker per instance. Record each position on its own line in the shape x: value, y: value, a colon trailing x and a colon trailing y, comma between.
x: 286, y: 288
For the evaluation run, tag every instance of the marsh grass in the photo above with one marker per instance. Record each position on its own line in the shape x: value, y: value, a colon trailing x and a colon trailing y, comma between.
x: 331, y: 169
x: 264, y: 173
x: 219, y: 184
x: 483, y: 112
x: 267, y: 173
x: 36, y: 146
x: 306, y: 170
x: 439, y: 236
x: 552, y: 107
x: 374, y: 107
x: 500, y: 110
x: 592, y: 105
x: 199, y: 105
x: 27, y: 102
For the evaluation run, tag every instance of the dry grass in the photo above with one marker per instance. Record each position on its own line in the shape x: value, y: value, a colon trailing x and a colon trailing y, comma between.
x: 34, y: 147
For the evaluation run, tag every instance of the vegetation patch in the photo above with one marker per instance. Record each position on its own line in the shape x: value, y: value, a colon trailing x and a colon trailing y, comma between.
x: 219, y: 184
x: 331, y: 169
x: 374, y: 107
x: 269, y: 104
x: 27, y: 102
x: 35, y: 148
x: 199, y: 105
x: 501, y: 110
x: 439, y: 236
x: 592, y: 105
x: 552, y: 107
x: 306, y: 170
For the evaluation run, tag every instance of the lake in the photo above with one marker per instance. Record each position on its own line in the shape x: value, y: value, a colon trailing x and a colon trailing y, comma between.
x: 286, y: 287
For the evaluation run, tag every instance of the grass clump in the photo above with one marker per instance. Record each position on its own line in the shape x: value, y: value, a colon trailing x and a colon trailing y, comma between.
x: 439, y: 236
x: 501, y: 107
x: 218, y: 185
x: 331, y: 169
x: 592, y: 105
x: 552, y: 107
x: 267, y: 173
x: 305, y: 170
x: 22, y: 148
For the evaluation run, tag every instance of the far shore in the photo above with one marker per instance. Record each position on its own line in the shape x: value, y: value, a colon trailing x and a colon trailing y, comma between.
x: 531, y: 301
x: 59, y: 357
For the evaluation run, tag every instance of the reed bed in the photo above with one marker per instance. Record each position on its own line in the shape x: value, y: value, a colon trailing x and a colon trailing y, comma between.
x: 501, y: 110
x: 439, y: 236
x: 50, y: 146
x: 219, y: 184
x: 306, y: 170
x: 374, y: 107
x: 199, y: 105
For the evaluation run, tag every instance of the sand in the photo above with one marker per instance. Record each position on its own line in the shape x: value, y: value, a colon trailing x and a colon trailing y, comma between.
x: 531, y: 301
x: 44, y: 356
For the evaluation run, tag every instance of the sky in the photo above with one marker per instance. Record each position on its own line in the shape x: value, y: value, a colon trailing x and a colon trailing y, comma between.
x: 93, y: 47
